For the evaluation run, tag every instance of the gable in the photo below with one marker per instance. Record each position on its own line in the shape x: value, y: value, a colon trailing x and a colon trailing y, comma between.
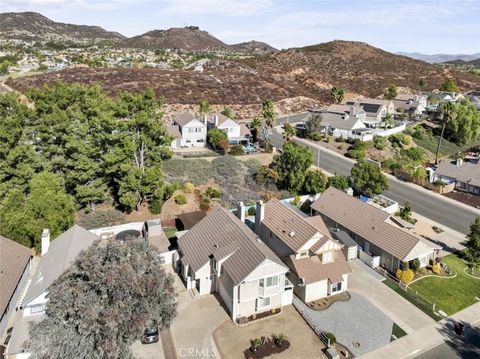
x: 265, y: 269
x: 329, y: 246
x: 228, y: 123
x: 194, y: 123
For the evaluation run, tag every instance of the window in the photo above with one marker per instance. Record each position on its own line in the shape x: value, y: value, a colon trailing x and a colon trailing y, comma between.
x: 272, y: 281
x: 263, y: 302
x: 39, y: 308
x: 261, y: 283
x: 191, y: 130
x: 336, y: 287
x: 327, y: 257
x: 303, y: 254
x: 423, y: 261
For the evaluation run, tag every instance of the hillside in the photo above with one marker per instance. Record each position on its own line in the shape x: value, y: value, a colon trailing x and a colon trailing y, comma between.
x: 254, y: 48
x: 34, y: 26
x: 437, y: 58
x: 188, y: 38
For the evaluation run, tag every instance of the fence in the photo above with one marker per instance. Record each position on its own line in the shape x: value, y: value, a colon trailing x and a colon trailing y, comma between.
x: 298, y: 305
x: 404, y: 176
x: 411, y: 295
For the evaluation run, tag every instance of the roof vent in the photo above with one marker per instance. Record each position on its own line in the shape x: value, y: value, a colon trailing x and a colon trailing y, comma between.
x: 215, y: 245
x: 292, y: 234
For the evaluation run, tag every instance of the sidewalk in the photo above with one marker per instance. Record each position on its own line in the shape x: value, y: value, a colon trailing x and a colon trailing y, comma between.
x: 424, y: 339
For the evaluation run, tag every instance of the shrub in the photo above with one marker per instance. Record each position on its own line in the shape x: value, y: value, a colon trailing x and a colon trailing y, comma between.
x: 422, y: 271
x: 391, y: 164
x: 213, y: 193
x: 398, y: 273
x: 251, y: 211
x: 98, y: 219
x: 332, y: 337
x: 180, y: 199
x: 340, y: 139
x: 436, y: 268
x: 156, y: 205
x: 188, y: 187
x: 255, y: 343
x: 329, y: 139
x: 406, y: 140
x: 404, y: 265
x: 406, y: 276
x: 379, y: 142
x: 358, y: 154
x: 296, y: 200
x: 204, y: 206
x: 415, y: 264
x: 316, y: 136
x: 279, y: 338
x: 341, y: 146
x: 350, y: 140
x: 197, y: 171
x: 237, y: 150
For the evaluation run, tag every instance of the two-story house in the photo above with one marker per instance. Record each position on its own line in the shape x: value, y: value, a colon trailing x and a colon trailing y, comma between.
x: 375, y: 110
x: 221, y: 254
x: 56, y: 257
x: 318, y: 266
x: 409, y: 103
x: 188, y: 131
x: 342, y: 120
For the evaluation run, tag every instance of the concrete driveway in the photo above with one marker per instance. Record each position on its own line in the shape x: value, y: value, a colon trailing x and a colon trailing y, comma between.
x: 193, y: 328
x: 356, y: 323
x: 232, y: 340
x: 400, y: 310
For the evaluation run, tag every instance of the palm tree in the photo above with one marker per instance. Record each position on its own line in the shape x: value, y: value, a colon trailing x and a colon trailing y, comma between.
x: 255, y: 126
x: 268, y: 120
x: 288, y: 132
x: 448, y: 113
x: 204, y: 107
x: 337, y: 94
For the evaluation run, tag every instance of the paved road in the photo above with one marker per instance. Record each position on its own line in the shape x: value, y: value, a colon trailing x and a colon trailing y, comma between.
x: 424, y: 203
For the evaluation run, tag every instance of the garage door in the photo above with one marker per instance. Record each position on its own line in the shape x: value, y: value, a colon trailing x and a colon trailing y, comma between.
x: 225, y: 296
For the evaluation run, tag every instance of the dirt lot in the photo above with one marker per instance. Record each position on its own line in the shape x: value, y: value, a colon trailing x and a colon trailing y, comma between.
x: 467, y: 198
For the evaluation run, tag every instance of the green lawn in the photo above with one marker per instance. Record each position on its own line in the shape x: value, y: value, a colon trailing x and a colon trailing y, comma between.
x: 170, y: 232
x: 429, y: 142
x: 450, y: 295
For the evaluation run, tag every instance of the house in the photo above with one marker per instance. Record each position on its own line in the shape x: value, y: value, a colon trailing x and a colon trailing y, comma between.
x: 377, y: 235
x: 56, y: 257
x: 342, y: 120
x: 318, y: 266
x: 465, y: 174
x: 235, y: 131
x: 188, y: 131
x: 444, y: 96
x: 474, y: 97
x: 375, y: 110
x: 221, y: 254
x: 15, y: 264
x: 408, y: 103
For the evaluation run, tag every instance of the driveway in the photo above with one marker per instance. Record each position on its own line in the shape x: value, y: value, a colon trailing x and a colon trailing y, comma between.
x: 193, y: 328
x: 148, y: 351
x: 400, y: 310
x: 232, y: 340
x: 353, y: 321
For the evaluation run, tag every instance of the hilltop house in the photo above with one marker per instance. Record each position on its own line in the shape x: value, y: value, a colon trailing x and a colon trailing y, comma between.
x: 474, y: 97
x: 221, y: 254
x: 413, y: 104
x: 444, y: 96
x: 318, y: 266
x: 375, y: 110
x: 188, y: 131
x: 342, y: 120
x: 465, y: 174
x: 374, y: 230
x: 15, y: 263
x: 56, y: 257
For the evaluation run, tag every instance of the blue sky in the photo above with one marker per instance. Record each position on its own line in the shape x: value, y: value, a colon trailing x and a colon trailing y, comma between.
x: 427, y: 26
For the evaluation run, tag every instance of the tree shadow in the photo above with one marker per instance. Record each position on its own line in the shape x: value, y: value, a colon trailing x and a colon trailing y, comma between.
x: 466, y: 345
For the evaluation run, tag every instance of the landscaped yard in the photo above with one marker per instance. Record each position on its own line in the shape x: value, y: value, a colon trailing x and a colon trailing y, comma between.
x: 452, y: 294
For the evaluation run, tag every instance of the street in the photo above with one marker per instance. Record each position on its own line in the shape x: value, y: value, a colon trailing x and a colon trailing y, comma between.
x: 424, y: 203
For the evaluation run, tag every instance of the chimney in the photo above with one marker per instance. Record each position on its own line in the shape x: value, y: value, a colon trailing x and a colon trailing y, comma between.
x: 205, y: 120
x: 45, y: 241
x: 353, y: 111
x: 459, y: 162
x: 241, y: 211
x: 259, y: 215
x: 215, y: 118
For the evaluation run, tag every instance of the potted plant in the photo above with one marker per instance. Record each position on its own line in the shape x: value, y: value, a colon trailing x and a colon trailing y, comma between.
x: 279, y: 339
x: 255, y: 344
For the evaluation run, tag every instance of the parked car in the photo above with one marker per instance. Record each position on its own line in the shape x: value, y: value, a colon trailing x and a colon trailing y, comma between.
x: 2, y: 351
x: 248, y: 148
x: 151, y: 334
x: 9, y: 335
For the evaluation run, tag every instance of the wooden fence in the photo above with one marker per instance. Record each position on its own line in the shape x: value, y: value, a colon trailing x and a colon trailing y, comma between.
x: 404, y: 176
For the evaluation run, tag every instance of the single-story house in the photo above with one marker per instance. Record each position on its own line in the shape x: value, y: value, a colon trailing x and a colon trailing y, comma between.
x: 15, y: 264
x: 342, y: 120
x: 375, y: 110
x: 56, y: 257
x: 376, y: 234
x: 465, y: 174
x: 220, y: 254
x: 318, y: 266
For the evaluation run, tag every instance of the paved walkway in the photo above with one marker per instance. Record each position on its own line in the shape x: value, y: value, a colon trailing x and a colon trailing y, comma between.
x: 353, y: 321
x: 427, y: 338
x: 400, y: 310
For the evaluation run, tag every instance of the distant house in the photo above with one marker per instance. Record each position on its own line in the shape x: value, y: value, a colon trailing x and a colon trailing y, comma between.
x: 15, y: 263
x: 465, y: 174
x: 373, y: 229
x: 188, y: 131
x: 413, y: 104
x: 342, y: 120
x: 319, y: 268
x: 444, y: 96
x: 57, y: 256
x: 221, y: 254
x: 375, y: 110
x: 235, y: 131
x: 474, y: 97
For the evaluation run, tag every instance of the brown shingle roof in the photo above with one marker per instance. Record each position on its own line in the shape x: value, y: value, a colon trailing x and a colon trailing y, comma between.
x: 13, y: 259
x: 284, y: 222
x: 174, y: 130
x: 467, y: 172
x: 183, y: 118
x: 219, y: 232
x: 366, y: 221
x: 312, y: 270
